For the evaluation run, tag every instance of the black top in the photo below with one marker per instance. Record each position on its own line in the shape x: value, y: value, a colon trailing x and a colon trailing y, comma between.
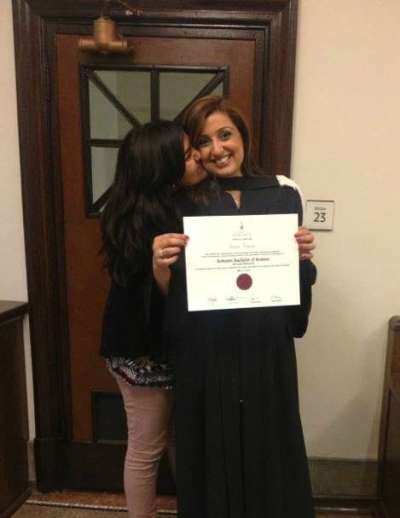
x: 247, y: 183
x: 132, y: 320
x: 240, y: 448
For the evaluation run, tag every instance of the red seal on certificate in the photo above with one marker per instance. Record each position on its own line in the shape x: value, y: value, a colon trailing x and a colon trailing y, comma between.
x: 244, y: 281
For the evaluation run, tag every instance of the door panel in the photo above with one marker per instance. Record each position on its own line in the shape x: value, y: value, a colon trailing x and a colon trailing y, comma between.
x: 86, y: 281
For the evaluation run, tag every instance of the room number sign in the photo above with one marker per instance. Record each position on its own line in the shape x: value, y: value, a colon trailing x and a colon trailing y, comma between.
x: 319, y: 214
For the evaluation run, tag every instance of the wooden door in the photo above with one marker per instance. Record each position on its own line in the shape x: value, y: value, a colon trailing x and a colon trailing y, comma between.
x: 99, y: 100
x: 251, y: 43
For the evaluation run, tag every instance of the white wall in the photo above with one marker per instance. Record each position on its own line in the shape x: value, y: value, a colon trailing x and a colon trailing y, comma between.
x: 347, y: 114
x: 346, y: 137
x: 12, y: 256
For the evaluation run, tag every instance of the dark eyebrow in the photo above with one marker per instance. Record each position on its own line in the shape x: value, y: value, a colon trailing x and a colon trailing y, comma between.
x: 203, y: 137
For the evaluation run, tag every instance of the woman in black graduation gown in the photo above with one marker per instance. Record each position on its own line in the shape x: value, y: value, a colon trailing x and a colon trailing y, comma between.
x: 240, y: 447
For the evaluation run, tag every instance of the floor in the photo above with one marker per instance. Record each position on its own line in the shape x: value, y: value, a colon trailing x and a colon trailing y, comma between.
x: 36, y: 511
x: 105, y: 505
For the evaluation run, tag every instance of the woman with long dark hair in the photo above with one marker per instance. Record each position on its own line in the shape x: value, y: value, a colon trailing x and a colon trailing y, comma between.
x: 240, y: 448
x: 154, y: 162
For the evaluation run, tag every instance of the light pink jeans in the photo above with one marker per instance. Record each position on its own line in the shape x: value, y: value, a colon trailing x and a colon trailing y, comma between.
x: 150, y: 432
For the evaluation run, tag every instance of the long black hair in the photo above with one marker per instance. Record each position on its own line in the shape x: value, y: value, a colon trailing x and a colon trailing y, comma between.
x: 150, y: 163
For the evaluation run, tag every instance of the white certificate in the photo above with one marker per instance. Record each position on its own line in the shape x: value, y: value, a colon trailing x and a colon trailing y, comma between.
x: 242, y: 261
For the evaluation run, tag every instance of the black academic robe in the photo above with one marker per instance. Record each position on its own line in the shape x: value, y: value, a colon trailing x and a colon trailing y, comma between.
x: 240, y: 448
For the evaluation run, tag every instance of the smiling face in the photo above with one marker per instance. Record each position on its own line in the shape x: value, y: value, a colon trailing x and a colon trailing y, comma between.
x: 221, y: 146
x: 194, y: 171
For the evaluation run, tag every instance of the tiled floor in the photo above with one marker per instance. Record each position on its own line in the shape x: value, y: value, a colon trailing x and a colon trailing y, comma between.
x: 105, y: 505
x: 42, y: 511
x: 95, y: 500
x: 71, y: 504
x: 74, y: 504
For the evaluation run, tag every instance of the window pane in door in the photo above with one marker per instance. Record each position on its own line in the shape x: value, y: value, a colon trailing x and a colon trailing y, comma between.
x: 104, y: 160
x: 132, y: 89
x: 106, y: 122
x: 177, y: 90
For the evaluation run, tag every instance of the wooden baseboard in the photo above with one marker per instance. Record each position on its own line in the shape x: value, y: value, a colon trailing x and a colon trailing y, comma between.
x: 344, y: 478
x: 16, y: 504
x: 31, y: 462
x: 365, y: 506
x: 47, y: 463
x: 385, y: 512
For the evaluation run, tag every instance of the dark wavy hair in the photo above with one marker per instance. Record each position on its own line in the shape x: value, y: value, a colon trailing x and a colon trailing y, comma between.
x: 194, y: 119
x: 150, y: 163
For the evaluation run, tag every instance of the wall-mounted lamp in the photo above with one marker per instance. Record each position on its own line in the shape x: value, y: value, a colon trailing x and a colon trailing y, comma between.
x: 106, y: 38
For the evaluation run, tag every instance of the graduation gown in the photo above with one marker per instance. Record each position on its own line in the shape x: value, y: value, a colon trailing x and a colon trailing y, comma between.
x: 240, y: 447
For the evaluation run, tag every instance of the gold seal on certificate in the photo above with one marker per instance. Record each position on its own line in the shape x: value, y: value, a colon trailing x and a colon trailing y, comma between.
x: 242, y: 261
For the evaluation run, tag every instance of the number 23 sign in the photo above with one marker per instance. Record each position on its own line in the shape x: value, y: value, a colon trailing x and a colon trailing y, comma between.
x: 319, y: 214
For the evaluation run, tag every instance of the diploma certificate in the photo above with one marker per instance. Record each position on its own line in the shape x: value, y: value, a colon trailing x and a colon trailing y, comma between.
x: 241, y: 261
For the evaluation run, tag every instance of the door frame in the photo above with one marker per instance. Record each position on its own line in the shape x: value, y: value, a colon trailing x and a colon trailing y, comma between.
x: 36, y: 22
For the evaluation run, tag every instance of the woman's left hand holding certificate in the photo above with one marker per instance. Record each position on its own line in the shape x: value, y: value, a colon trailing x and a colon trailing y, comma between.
x: 166, y: 250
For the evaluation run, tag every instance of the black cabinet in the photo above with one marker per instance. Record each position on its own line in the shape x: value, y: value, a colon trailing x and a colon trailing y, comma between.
x: 14, y: 484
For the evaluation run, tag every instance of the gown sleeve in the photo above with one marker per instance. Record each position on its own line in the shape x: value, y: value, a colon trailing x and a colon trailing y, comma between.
x: 299, y: 315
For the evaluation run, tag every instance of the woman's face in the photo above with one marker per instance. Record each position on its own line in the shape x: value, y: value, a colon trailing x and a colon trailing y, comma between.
x: 221, y: 146
x: 194, y: 171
